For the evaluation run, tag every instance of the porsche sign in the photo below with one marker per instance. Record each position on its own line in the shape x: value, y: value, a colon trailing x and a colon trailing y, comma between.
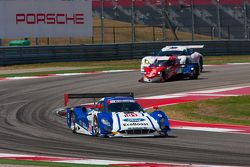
x: 45, y: 18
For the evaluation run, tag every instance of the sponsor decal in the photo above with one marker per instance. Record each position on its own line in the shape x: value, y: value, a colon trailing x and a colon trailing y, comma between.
x: 131, y: 115
x: 134, y: 119
x: 82, y: 124
x: 135, y: 124
x: 159, y: 115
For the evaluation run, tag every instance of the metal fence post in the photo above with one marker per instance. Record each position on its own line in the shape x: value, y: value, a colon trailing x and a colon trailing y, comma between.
x: 133, y: 20
x: 218, y: 19
x: 192, y: 16
x: 164, y: 33
x: 153, y: 32
x: 102, y: 23
x: 245, y: 17
x: 37, y: 43
x: 248, y: 33
x: 114, y: 34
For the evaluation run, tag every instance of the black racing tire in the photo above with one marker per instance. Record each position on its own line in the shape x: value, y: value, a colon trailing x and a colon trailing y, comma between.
x: 201, y: 64
x: 164, y: 76
x: 96, y: 127
x: 195, y: 74
x: 73, y: 126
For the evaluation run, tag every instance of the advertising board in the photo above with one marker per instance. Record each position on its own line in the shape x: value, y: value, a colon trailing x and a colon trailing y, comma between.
x: 45, y: 18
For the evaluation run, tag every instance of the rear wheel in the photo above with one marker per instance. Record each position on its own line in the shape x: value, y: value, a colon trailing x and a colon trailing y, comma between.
x: 96, y: 127
x: 195, y: 73
x: 201, y: 64
x: 164, y: 76
x: 73, y: 126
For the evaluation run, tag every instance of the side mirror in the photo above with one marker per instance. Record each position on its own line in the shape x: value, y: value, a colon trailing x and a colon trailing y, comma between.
x: 156, y: 107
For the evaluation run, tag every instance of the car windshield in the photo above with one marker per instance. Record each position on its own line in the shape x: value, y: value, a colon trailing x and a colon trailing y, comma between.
x: 169, y: 53
x: 124, y: 107
x: 163, y: 63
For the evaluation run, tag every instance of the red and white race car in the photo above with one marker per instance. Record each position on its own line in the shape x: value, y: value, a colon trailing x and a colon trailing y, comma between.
x: 183, y: 53
x: 168, y: 68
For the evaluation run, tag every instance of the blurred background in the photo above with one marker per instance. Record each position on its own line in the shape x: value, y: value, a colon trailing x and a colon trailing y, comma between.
x: 117, y: 21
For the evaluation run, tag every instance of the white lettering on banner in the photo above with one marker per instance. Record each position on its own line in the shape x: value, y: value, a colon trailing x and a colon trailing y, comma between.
x: 45, y: 18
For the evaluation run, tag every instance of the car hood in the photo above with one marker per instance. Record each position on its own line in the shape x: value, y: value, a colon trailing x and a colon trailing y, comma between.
x: 134, y: 120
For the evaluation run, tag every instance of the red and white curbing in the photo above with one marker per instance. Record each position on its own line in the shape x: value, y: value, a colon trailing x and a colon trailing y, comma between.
x: 96, y: 161
x: 170, y: 99
x: 60, y: 75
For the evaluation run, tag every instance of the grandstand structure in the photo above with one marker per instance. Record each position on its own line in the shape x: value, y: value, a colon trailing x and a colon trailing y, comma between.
x: 226, y: 19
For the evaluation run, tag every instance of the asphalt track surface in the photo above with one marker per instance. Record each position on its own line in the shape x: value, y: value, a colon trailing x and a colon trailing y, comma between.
x: 28, y: 123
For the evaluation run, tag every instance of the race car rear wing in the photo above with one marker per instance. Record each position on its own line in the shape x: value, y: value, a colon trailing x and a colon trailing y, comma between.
x: 94, y: 95
x: 194, y: 46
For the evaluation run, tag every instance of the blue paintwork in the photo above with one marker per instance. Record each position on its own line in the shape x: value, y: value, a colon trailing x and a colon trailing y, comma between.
x: 80, y: 117
x: 158, y: 115
x: 105, y: 129
x: 188, y: 68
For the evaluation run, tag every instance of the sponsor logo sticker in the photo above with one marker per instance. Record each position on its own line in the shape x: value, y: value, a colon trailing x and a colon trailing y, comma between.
x: 134, y: 119
x: 135, y: 124
x: 131, y: 115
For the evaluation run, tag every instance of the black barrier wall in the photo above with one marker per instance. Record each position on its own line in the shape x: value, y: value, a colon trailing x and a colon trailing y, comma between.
x: 122, y: 51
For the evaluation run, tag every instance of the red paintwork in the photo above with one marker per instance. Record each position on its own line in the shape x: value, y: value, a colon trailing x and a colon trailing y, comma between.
x: 152, y: 72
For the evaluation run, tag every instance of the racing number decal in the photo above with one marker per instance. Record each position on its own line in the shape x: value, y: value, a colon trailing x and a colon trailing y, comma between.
x: 131, y: 115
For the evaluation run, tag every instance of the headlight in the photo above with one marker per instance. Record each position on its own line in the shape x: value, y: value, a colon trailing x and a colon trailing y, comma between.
x: 105, y: 122
x: 159, y: 72
x: 146, y: 61
x: 192, y: 68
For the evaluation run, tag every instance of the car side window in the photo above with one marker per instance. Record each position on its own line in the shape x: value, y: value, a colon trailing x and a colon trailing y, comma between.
x: 190, y: 51
x: 184, y: 52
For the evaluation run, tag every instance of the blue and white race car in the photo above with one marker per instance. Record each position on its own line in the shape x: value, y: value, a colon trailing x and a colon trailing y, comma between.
x: 115, y: 115
x: 183, y: 53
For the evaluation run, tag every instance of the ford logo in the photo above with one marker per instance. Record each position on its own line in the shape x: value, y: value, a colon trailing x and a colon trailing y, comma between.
x: 133, y: 119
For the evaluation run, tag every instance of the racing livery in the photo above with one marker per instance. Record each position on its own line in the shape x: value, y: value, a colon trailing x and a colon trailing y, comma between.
x: 115, y: 115
x: 168, y: 68
x: 182, y: 52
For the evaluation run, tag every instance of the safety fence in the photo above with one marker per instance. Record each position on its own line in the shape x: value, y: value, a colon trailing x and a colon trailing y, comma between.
x: 121, y: 51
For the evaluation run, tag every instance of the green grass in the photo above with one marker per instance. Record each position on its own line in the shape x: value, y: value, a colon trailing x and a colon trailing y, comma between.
x: 50, y: 164
x: 228, y: 110
x: 106, y: 65
x: 226, y: 59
